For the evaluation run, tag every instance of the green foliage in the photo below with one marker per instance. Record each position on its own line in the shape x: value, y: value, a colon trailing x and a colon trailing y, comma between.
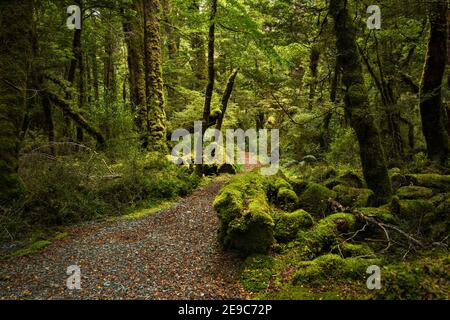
x: 424, y: 278
x: 256, y: 272
x: 344, y: 149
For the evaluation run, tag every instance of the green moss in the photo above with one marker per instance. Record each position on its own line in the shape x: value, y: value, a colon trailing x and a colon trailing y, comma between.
x: 287, y: 225
x: 33, y: 248
x: 349, y: 179
x: 287, y: 199
x: 353, y: 197
x: 331, y: 266
x: 298, y: 185
x: 381, y: 214
x: 354, y: 250
x: 246, y: 224
x: 414, y: 192
x: 326, y: 234
x: 433, y: 181
x: 315, y: 199
x: 410, y: 209
x: 256, y: 272
x: 424, y: 278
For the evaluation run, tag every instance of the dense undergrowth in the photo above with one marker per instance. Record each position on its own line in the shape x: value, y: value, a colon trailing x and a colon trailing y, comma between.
x: 313, y: 235
x: 81, y: 185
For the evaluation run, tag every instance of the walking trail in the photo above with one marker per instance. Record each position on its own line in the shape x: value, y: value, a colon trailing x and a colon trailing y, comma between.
x: 173, y: 254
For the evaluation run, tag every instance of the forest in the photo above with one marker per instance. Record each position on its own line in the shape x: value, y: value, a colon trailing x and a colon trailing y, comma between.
x: 225, y: 149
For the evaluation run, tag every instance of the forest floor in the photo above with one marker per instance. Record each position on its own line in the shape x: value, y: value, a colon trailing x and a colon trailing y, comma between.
x: 172, y: 254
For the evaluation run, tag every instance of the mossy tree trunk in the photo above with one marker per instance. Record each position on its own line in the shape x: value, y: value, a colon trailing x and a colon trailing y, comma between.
x: 16, y: 31
x: 431, y: 108
x: 357, y: 104
x: 133, y: 36
x: 153, y: 76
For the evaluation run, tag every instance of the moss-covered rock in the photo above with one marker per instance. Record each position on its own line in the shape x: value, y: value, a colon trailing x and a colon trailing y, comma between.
x: 425, y: 278
x: 414, y: 192
x: 350, y: 179
x: 411, y: 209
x: 381, y: 214
x: 287, y: 225
x: 354, y: 250
x: 287, y: 199
x: 246, y: 223
x: 433, y: 181
x: 353, y: 197
x: 331, y: 266
x: 327, y: 232
x: 315, y: 199
x: 398, y: 180
x: 298, y: 185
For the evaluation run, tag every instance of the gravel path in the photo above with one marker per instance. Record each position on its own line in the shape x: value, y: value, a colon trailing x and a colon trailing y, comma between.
x: 172, y: 254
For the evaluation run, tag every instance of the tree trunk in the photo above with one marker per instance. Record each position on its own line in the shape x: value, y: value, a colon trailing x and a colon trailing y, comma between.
x: 313, y: 66
x: 357, y: 104
x: 153, y: 76
x: 198, y: 59
x: 16, y: 30
x: 225, y: 97
x: 431, y: 108
x: 133, y: 37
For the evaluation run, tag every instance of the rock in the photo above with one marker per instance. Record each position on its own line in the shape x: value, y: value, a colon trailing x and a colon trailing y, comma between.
x: 414, y: 192
x: 315, y: 199
x: 287, y: 199
x: 432, y: 180
x: 353, y: 197
x: 287, y: 225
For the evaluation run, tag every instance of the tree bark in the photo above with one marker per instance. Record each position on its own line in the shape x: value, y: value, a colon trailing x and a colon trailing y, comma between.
x: 313, y: 66
x: 225, y: 98
x: 357, y: 104
x: 198, y: 59
x: 153, y: 76
x: 133, y: 36
x: 16, y: 31
x: 431, y: 108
